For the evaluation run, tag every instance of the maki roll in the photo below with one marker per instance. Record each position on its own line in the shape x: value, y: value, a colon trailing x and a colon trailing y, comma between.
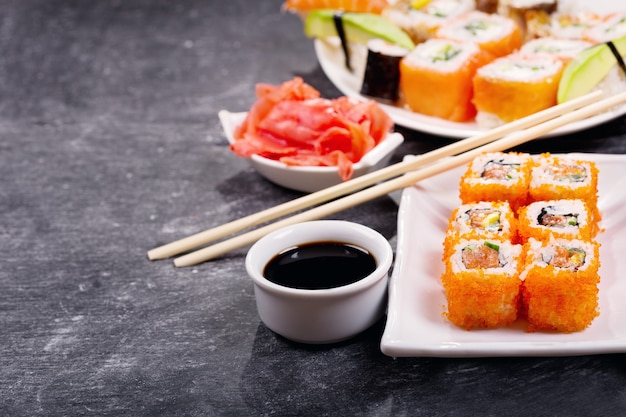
x: 436, y: 78
x: 557, y: 177
x: 497, y: 176
x: 612, y: 27
x: 494, y: 34
x: 381, y: 78
x: 565, y: 50
x: 573, y: 25
x: 542, y: 220
x: 481, y: 283
x: 521, y: 7
x: 422, y: 21
x: 528, y: 13
x: 515, y: 86
x: 560, y: 284
x: 484, y: 219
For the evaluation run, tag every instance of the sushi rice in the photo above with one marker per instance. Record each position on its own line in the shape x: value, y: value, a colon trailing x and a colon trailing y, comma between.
x: 556, y: 218
x: 483, y: 296
x: 515, y: 86
x: 436, y: 78
x: 560, y: 177
x: 497, y: 176
x: 541, y: 264
x: 493, y: 33
x: 484, y: 219
x: 560, y: 284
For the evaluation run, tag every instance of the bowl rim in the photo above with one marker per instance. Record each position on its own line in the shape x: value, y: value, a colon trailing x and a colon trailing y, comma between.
x: 384, y: 259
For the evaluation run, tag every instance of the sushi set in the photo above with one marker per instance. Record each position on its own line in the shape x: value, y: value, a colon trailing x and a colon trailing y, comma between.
x: 527, y: 227
x: 418, y: 324
x: 495, y: 221
x: 474, y: 71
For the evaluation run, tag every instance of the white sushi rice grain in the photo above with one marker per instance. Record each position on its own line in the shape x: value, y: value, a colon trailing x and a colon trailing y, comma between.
x: 441, y: 54
x: 508, y: 253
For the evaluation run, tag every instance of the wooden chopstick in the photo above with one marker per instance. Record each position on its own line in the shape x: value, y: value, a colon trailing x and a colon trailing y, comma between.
x: 327, y: 194
x: 408, y: 179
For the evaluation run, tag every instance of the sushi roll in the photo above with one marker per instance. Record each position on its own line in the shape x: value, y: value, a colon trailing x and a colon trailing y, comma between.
x: 527, y: 14
x: 484, y: 219
x: 560, y: 284
x: 494, y: 34
x: 520, y: 7
x: 381, y: 78
x: 612, y: 27
x: 573, y: 25
x: 558, y: 177
x: 565, y: 50
x: 556, y: 218
x: 537, y: 24
x: 436, y: 78
x: 497, y: 176
x: 515, y: 86
x: 481, y: 283
x: 422, y: 20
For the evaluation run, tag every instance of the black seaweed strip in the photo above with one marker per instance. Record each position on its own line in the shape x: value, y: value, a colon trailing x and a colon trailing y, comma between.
x: 617, y: 55
x: 338, y: 19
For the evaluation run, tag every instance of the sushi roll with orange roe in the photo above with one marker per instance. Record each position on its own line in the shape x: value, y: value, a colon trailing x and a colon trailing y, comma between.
x: 481, y: 283
x: 436, y: 78
x: 497, y: 176
x: 567, y: 219
x: 515, y: 86
x: 560, y: 284
x: 495, y: 34
x: 561, y: 177
x: 483, y: 219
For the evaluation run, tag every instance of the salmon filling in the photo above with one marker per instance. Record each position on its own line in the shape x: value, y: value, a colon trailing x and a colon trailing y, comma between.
x: 568, y: 172
x: 500, y: 170
x: 551, y: 219
x: 485, y: 219
x: 568, y: 258
x: 481, y: 256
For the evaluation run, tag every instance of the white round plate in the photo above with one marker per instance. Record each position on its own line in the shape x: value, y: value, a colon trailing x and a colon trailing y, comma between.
x: 331, y: 59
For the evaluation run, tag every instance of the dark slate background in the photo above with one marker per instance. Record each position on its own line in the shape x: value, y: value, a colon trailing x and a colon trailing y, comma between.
x: 110, y: 145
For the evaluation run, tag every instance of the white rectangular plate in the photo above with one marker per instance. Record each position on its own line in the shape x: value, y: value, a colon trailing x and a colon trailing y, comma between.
x: 415, y: 324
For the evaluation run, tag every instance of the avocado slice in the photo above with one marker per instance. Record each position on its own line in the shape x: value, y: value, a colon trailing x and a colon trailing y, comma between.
x: 358, y: 27
x: 586, y: 71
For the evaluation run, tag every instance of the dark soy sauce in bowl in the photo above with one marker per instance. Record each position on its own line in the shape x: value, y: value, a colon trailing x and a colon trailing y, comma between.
x: 320, y: 265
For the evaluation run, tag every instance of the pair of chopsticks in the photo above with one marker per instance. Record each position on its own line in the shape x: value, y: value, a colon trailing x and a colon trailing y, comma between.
x: 399, y: 176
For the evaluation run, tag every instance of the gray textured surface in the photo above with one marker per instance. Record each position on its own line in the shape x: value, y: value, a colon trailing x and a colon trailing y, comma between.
x: 110, y: 145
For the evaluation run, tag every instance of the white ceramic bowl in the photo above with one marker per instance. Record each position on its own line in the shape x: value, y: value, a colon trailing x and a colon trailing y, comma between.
x: 310, y: 179
x: 321, y: 315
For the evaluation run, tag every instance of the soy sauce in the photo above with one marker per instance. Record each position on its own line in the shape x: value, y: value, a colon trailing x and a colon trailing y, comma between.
x: 320, y: 265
